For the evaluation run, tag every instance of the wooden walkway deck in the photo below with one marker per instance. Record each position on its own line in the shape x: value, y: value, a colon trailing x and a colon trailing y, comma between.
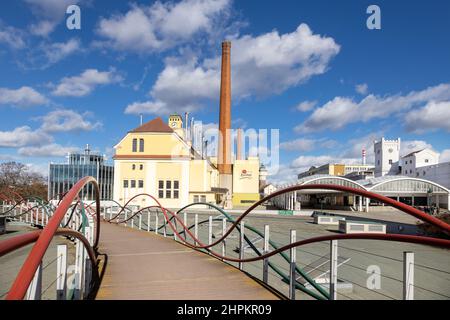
x: 145, y: 266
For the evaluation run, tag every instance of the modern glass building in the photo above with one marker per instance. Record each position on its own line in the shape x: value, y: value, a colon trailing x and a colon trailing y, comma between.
x: 63, y: 176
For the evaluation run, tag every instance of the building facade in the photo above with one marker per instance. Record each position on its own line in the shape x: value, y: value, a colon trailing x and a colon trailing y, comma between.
x: 387, y: 157
x: 336, y: 169
x: 63, y: 176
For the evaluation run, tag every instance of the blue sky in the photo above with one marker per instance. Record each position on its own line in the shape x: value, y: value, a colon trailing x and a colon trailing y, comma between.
x: 311, y: 69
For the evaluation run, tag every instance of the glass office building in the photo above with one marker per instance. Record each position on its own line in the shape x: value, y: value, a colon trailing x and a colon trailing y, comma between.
x: 63, y: 176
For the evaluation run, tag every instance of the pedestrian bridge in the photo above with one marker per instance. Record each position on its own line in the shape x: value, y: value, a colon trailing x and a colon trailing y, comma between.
x: 154, y: 253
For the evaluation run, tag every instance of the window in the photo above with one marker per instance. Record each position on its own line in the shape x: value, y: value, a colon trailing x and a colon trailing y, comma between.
x: 160, y: 189
x: 168, y: 194
x: 390, y: 161
x: 141, y: 145
x: 202, y: 198
x: 140, y: 183
x: 378, y: 162
x: 134, y: 145
x: 133, y: 183
x: 133, y: 166
x: 168, y: 184
x: 176, y: 185
x: 417, y: 174
x: 141, y: 167
x: 426, y: 160
x: 125, y: 183
x: 196, y: 199
x: 424, y: 173
x: 410, y: 171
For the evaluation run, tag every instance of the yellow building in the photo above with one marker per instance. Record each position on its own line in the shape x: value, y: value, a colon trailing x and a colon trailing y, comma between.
x: 155, y: 158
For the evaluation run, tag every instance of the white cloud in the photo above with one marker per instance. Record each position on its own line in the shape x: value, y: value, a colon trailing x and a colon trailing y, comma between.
x: 60, y: 50
x: 433, y: 116
x: 49, y: 150
x: 362, y: 88
x: 11, y: 36
x: 306, y: 106
x: 49, y: 14
x: 23, y: 136
x: 161, y: 25
x: 84, y: 83
x: 22, y: 97
x: 341, y: 111
x: 67, y: 120
x: 261, y: 66
x: 305, y: 144
x: 409, y: 146
x: 445, y: 156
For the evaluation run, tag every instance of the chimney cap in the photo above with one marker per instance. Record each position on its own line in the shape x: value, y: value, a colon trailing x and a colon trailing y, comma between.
x: 226, y: 43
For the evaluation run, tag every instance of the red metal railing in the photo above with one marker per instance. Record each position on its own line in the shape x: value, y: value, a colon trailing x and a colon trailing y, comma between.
x: 43, y: 239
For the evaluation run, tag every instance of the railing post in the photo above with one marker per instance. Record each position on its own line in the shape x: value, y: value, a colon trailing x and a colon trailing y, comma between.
x: 110, y: 212
x: 196, y: 229
x: 333, y: 269
x: 148, y: 220
x: 209, y: 232
x: 125, y: 223
x: 79, y: 268
x: 156, y: 222
x: 34, y: 291
x: 165, y: 225
x: 132, y: 222
x: 186, y: 226
x: 61, y: 272
x: 175, y: 224
x: 408, y: 275
x: 224, y: 244
x: 87, y: 276
x: 20, y: 213
x: 266, y: 250
x: 241, y: 245
x: 140, y: 221
x: 293, y: 259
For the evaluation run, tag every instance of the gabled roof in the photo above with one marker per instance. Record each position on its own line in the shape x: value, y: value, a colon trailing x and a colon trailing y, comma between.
x: 414, y: 152
x: 155, y: 125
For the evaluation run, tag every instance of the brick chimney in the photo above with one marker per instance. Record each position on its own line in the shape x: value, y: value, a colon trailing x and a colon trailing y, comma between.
x: 224, y: 155
x: 225, y: 142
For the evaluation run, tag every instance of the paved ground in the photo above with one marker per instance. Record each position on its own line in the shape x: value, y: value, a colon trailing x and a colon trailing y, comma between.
x: 142, y: 265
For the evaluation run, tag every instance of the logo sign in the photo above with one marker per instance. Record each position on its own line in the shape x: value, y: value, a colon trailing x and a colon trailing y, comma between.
x: 245, y: 174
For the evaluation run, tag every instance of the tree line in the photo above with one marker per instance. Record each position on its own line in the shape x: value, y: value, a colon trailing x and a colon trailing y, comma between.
x: 18, y: 177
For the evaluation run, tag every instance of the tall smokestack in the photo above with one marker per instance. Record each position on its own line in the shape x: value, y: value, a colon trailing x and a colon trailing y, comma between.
x: 224, y: 152
x: 239, y: 144
x: 225, y: 112
x: 363, y: 156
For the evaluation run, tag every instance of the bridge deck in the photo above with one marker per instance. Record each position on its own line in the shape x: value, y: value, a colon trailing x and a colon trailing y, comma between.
x: 142, y: 265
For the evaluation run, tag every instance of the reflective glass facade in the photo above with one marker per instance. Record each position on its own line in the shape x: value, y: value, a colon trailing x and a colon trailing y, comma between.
x: 63, y: 176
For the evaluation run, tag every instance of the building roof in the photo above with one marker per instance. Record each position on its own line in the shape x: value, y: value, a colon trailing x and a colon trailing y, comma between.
x: 155, y: 125
x: 414, y: 152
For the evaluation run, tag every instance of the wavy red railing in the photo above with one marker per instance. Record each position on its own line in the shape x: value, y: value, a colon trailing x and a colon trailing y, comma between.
x: 43, y: 239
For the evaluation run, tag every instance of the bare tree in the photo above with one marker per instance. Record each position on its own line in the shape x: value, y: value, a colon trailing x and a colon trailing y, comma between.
x: 18, y: 176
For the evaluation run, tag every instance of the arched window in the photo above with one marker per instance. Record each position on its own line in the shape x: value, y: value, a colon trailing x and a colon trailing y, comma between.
x: 141, y: 145
x: 134, y: 145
